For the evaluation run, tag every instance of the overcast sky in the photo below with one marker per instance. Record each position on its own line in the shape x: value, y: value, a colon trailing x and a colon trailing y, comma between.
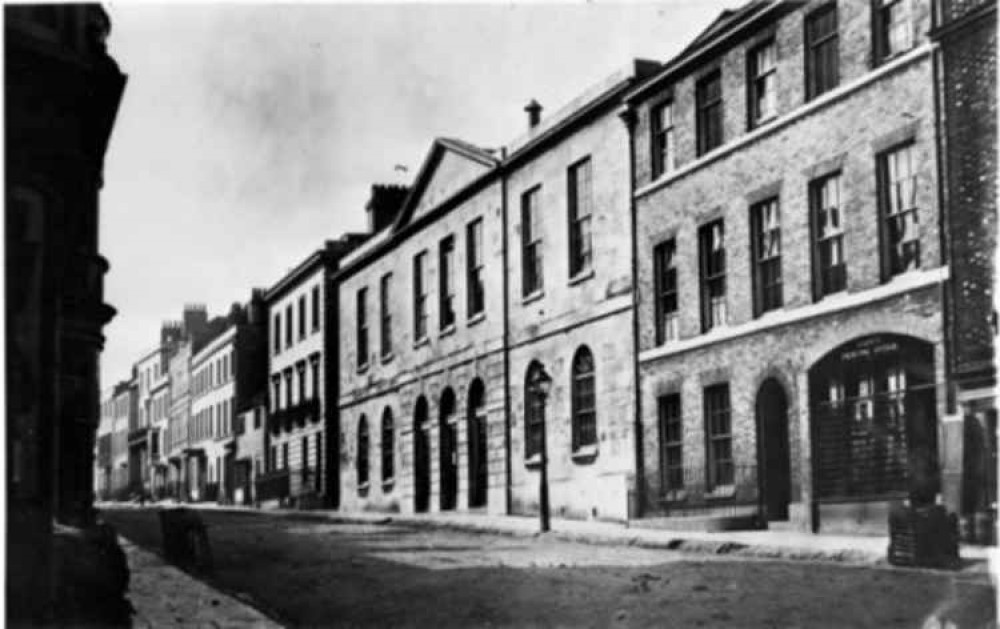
x: 249, y: 134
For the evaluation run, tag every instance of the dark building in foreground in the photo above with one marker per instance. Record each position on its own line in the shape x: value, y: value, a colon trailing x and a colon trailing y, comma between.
x: 62, y: 94
x: 966, y: 32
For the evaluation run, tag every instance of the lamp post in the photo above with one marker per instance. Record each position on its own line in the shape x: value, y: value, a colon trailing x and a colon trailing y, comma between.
x: 541, y: 382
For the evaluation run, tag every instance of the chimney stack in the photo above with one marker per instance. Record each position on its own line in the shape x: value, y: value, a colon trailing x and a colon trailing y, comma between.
x: 534, y: 113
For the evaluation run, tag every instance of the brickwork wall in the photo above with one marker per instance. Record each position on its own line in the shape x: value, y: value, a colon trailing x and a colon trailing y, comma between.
x: 785, y: 353
x: 855, y: 60
x: 844, y: 130
x: 970, y: 87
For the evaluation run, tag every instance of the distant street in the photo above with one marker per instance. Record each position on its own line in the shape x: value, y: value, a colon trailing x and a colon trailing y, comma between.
x: 315, y: 573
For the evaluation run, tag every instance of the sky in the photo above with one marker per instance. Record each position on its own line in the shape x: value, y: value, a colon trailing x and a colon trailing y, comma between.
x: 250, y: 133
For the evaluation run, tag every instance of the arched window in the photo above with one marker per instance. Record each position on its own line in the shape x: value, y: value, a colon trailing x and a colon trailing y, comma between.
x: 534, y: 413
x: 362, y: 460
x: 584, y: 400
x: 388, y: 446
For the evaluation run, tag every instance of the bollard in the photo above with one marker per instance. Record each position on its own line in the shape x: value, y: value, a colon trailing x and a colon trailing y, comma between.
x: 185, y: 540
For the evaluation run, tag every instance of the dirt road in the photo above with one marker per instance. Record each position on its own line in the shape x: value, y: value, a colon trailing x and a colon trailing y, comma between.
x: 309, y: 573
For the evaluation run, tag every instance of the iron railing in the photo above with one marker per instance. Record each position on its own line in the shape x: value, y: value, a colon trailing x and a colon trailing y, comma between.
x: 687, y: 490
x: 273, y: 485
x: 297, y: 414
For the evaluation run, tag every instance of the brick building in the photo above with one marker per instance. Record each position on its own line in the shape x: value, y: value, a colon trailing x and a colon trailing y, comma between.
x: 790, y: 267
x: 301, y: 363
x: 966, y: 35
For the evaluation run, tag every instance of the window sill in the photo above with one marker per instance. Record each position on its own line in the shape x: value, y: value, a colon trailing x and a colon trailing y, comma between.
x: 363, y: 489
x: 476, y: 318
x: 585, y: 454
x: 763, y: 122
x: 535, y: 296
x: 388, y: 484
x: 387, y: 358
x: 421, y: 342
x: 363, y: 368
x: 581, y: 277
x: 447, y: 331
x: 535, y: 460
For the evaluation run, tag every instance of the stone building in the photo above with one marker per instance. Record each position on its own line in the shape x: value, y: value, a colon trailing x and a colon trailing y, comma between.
x: 790, y: 269
x: 103, y: 467
x: 569, y: 304
x: 228, y: 368
x: 500, y: 264
x: 61, y: 96
x: 301, y: 311
x: 965, y: 32
x: 139, y: 427
x: 176, y: 439
x: 123, y: 403
x: 421, y: 342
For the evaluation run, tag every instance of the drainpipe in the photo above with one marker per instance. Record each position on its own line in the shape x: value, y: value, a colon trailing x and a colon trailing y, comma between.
x: 628, y: 117
x: 508, y: 474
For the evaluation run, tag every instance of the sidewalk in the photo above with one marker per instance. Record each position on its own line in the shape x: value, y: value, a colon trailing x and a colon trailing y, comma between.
x: 776, y: 544
x: 164, y: 596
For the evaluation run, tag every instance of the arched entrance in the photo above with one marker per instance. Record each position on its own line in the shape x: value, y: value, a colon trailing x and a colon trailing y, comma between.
x: 421, y: 457
x: 448, y: 451
x: 774, y: 476
x: 874, y: 428
x: 478, y: 468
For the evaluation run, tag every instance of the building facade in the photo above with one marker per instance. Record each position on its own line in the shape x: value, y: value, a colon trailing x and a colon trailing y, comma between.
x: 62, y: 92
x: 213, y: 403
x: 179, y: 418
x: 790, y: 267
x: 421, y: 337
x: 103, y: 467
x: 124, y: 411
x: 569, y: 306
x: 965, y: 32
x: 500, y: 265
x: 301, y: 315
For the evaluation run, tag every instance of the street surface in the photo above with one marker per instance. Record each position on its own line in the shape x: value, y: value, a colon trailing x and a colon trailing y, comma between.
x: 305, y: 572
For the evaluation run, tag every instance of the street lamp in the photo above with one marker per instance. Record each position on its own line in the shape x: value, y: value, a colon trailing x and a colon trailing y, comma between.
x: 539, y: 385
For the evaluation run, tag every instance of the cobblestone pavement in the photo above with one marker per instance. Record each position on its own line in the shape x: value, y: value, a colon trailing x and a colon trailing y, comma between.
x: 314, y: 573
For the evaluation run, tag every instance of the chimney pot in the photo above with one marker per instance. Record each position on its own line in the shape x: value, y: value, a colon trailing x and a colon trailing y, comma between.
x: 534, y: 113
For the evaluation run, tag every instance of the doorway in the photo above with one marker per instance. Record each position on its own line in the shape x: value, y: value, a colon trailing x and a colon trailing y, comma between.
x: 421, y: 458
x: 774, y: 478
x: 448, y: 451
x: 478, y: 469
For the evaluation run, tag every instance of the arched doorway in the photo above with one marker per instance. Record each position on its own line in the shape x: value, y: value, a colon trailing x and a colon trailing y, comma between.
x: 478, y: 467
x: 448, y: 451
x: 774, y: 475
x: 874, y: 429
x: 421, y: 457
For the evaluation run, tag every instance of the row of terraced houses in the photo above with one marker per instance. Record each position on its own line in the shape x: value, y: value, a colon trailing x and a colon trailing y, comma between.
x: 747, y: 286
